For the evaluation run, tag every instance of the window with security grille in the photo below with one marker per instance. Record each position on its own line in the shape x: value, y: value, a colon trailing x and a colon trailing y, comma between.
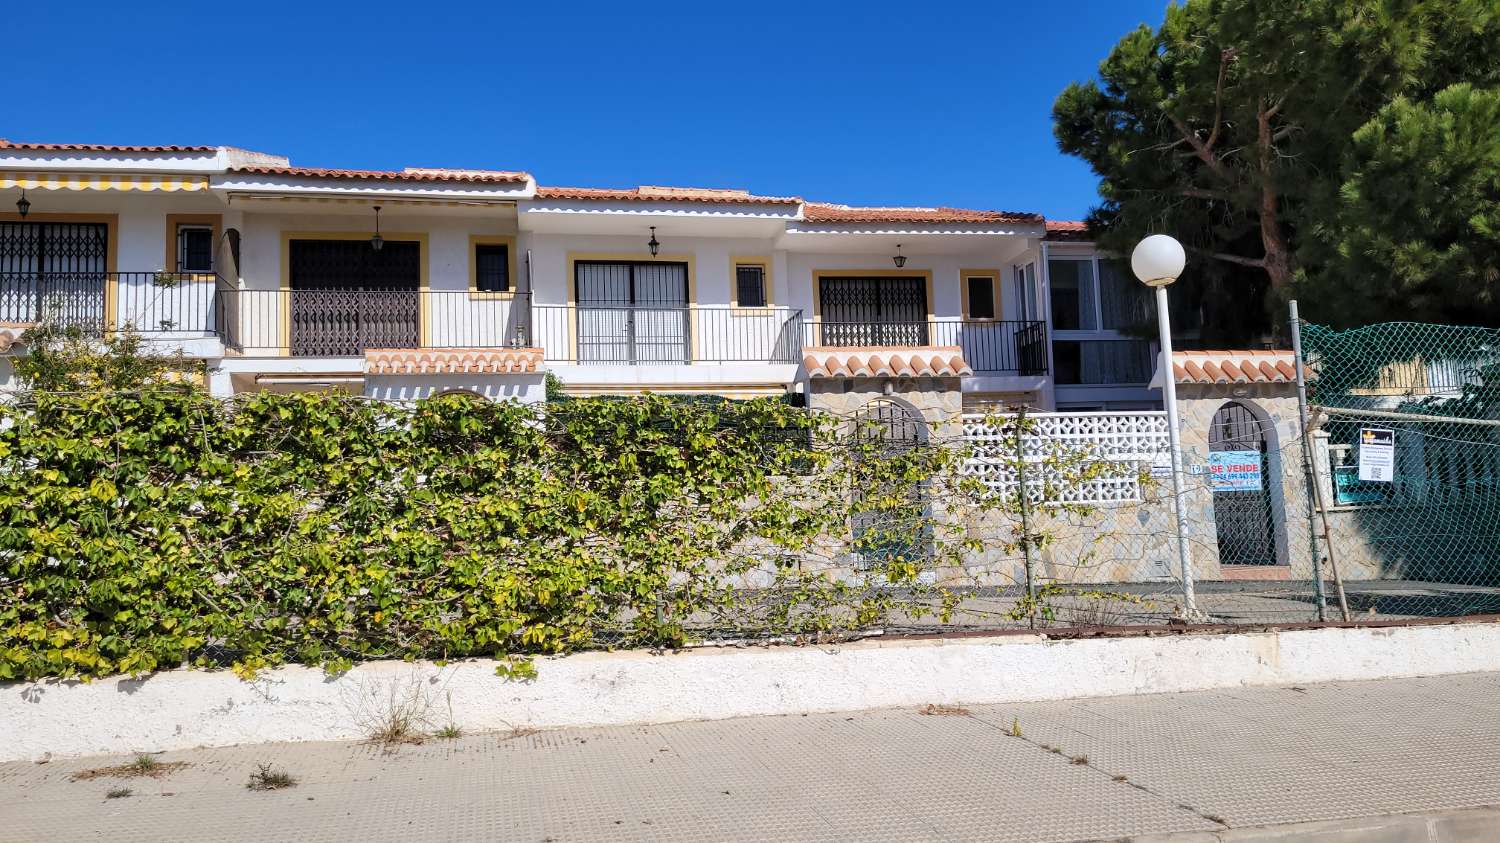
x: 195, y: 248
x: 492, y: 267
x: 750, y: 281
x: 981, y: 297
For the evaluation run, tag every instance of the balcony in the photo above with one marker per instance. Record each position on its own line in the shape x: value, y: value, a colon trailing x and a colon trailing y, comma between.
x: 346, y: 323
x: 653, y: 336
x: 176, y: 305
x: 991, y: 347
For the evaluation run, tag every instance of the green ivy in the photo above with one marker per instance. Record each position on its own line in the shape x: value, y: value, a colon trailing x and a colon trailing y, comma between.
x: 150, y: 527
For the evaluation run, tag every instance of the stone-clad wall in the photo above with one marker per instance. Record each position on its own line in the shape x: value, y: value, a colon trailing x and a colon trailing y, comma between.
x: 1136, y: 541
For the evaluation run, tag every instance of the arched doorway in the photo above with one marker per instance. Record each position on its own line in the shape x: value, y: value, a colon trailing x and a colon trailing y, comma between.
x: 1239, y: 475
x: 894, y: 425
x: 885, y: 429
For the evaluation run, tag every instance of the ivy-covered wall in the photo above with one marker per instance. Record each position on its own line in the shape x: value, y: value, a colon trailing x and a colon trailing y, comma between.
x: 155, y: 527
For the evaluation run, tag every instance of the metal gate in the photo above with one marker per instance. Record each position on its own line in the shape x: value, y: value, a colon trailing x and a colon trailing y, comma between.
x: 632, y: 312
x: 872, y: 311
x: 887, y: 535
x: 1238, y: 475
x: 347, y: 297
x: 53, y: 271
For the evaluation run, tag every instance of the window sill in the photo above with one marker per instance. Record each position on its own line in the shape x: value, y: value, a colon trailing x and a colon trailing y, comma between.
x: 489, y: 295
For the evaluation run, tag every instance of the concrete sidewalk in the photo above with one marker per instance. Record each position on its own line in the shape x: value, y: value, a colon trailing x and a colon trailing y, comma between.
x: 1211, y: 765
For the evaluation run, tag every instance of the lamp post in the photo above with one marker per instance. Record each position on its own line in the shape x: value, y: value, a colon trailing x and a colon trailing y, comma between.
x: 1157, y: 261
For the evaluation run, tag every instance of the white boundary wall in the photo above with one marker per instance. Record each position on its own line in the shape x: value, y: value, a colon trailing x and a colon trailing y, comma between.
x: 184, y: 708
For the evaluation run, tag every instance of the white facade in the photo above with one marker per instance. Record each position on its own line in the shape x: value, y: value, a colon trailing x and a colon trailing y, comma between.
x: 296, y: 295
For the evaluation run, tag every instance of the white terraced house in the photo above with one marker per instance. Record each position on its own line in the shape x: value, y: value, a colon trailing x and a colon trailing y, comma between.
x: 403, y: 284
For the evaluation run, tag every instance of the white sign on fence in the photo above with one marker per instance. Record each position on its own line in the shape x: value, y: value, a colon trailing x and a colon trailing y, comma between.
x: 1377, y: 454
x: 1234, y: 471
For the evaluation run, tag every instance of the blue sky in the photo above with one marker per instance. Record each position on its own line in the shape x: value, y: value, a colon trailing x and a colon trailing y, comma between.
x: 866, y: 103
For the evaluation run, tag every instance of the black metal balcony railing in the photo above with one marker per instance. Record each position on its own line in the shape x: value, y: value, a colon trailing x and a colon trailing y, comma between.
x: 990, y: 346
x: 644, y: 335
x: 346, y: 323
x: 179, y: 303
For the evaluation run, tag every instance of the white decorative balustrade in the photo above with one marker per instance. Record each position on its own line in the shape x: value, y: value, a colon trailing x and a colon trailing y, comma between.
x: 1069, y: 457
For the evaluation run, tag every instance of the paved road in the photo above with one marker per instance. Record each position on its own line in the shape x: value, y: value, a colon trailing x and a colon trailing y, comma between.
x: 1081, y: 770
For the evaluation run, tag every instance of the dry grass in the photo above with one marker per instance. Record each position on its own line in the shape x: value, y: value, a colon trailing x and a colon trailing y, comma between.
x: 144, y: 766
x: 118, y: 793
x: 939, y: 710
x: 267, y: 777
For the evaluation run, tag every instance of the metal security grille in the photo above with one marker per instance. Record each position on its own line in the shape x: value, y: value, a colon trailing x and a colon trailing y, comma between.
x: 347, y: 297
x: 750, y: 284
x: 873, y: 311
x: 492, y: 267
x: 632, y: 312
x: 880, y: 537
x: 53, y: 271
x: 1242, y: 516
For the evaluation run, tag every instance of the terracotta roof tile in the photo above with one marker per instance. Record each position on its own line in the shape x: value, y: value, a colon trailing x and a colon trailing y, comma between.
x: 822, y: 212
x: 945, y: 361
x: 648, y: 193
x: 95, y: 147
x: 452, y: 361
x: 1251, y: 366
x: 1068, y: 230
x: 472, y: 176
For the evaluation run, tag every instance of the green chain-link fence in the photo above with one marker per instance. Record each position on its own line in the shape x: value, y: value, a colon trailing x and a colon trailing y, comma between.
x: 1406, y: 428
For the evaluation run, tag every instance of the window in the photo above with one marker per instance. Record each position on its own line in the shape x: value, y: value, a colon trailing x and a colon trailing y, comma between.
x: 1073, y: 295
x: 1124, y: 303
x: 750, y: 285
x: 1028, y: 303
x: 195, y: 248
x: 981, y: 292
x: 492, y: 267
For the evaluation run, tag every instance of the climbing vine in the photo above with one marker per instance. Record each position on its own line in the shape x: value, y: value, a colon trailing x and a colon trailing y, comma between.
x: 146, y: 525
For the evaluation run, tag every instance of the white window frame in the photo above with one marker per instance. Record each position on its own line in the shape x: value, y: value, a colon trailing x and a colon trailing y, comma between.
x: 1098, y: 334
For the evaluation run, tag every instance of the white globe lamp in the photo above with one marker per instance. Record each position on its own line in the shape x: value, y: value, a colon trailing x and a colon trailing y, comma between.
x: 1158, y: 260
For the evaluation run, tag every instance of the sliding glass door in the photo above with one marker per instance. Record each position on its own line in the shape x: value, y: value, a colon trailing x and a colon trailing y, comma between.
x: 632, y: 312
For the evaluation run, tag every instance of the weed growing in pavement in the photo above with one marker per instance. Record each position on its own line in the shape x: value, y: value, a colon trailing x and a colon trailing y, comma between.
x: 1015, y: 727
x: 142, y: 765
x: 118, y: 793
x: 449, y: 732
x: 266, y: 777
x: 1079, y: 759
x: 945, y: 710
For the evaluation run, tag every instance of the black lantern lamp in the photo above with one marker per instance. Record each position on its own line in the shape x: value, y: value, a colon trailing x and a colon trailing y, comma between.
x: 899, y: 260
x: 23, y: 207
x: 376, y: 241
x: 652, y: 244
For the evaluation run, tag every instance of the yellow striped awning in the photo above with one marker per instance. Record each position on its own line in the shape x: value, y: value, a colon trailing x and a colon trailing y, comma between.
x: 102, y: 181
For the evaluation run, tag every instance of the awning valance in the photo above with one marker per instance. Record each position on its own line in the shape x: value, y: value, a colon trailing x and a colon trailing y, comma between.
x: 101, y: 181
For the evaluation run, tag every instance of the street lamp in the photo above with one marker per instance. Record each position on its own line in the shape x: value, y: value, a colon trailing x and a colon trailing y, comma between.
x: 1157, y: 261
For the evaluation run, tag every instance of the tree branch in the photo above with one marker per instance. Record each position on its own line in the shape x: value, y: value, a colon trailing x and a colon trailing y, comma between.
x: 1225, y: 57
x: 1240, y: 260
x: 1201, y: 150
x: 1203, y: 193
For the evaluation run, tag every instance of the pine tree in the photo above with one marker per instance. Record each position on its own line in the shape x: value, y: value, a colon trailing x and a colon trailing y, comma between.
x: 1231, y: 126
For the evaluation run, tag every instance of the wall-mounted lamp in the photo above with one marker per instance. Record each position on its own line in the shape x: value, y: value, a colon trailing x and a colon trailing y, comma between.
x: 899, y: 260
x: 652, y: 244
x: 376, y: 241
x: 23, y: 207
